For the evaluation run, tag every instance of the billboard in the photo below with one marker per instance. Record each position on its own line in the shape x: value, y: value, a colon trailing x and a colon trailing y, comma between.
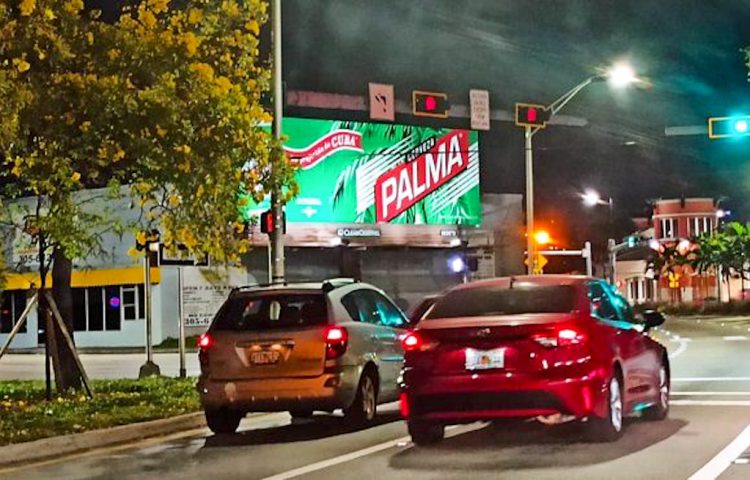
x: 361, y: 172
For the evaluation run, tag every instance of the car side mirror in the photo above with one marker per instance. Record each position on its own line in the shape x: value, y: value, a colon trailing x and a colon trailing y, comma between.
x: 652, y: 319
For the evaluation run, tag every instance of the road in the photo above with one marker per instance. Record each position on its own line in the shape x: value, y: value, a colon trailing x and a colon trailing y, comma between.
x: 705, y: 437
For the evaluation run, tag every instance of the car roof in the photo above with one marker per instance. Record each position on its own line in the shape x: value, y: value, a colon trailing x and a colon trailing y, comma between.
x: 526, y: 280
x: 323, y: 286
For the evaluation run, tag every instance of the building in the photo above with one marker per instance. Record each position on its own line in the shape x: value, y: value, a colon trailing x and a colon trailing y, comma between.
x: 673, y: 221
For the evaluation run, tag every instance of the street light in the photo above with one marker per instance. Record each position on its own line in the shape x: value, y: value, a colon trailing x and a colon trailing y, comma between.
x: 591, y: 198
x: 619, y: 75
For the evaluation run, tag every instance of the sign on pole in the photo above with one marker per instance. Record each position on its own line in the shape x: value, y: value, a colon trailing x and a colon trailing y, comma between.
x: 479, y: 102
x: 382, y: 102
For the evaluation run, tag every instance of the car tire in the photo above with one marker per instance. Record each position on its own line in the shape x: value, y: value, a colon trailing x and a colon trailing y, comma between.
x: 223, y: 421
x: 609, y: 428
x: 423, y: 433
x: 661, y: 409
x: 364, y: 407
x: 301, y: 413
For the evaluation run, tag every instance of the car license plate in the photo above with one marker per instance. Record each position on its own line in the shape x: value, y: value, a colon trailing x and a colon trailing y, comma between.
x: 264, y: 357
x: 485, y: 359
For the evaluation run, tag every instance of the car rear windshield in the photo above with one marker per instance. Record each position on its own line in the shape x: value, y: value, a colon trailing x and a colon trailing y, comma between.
x: 268, y: 311
x: 493, y: 300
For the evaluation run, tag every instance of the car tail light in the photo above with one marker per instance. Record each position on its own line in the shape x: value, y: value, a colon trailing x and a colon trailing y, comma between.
x: 416, y: 342
x: 337, y: 339
x: 404, y: 405
x: 205, y: 342
x: 561, y: 338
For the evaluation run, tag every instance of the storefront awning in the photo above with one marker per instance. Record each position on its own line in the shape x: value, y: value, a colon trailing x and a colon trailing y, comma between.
x: 86, y: 278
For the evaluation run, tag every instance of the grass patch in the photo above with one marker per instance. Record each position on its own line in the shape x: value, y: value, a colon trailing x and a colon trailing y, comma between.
x: 170, y: 343
x: 25, y: 415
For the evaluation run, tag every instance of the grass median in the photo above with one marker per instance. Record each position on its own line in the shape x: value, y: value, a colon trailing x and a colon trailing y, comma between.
x: 25, y: 415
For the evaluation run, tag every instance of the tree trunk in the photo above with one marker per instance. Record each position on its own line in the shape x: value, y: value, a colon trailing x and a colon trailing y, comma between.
x: 67, y: 375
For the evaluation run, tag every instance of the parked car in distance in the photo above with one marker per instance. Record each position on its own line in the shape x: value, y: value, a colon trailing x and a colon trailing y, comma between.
x: 417, y: 312
x: 552, y: 347
x: 300, y: 348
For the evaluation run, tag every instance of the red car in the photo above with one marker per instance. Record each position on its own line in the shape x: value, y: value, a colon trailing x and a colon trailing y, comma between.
x: 553, y: 347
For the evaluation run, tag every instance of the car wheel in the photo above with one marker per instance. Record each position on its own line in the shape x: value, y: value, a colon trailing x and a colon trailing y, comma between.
x: 609, y: 428
x: 425, y: 433
x: 661, y: 409
x: 365, y: 404
x: 301, y: 413
x: 223, y: 421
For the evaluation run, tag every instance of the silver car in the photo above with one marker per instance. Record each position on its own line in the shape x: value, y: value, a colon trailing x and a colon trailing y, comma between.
x: 300, y: 348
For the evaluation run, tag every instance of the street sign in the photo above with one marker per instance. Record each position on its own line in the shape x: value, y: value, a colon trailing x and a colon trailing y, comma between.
x: 674, y: 280
x: 539, y: 263
x: 479, y: 103
x: 382, y: 102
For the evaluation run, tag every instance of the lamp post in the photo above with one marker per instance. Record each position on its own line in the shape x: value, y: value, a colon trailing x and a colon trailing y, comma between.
x: 276, y: 238
x: 618, y: 76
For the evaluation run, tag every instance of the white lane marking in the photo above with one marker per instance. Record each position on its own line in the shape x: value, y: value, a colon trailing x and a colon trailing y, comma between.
x: 734, y: 338
x: 681, y: 349
x: 314, y: 467
x: 710, y: 403
x: 711, y: 379
x: 709, y: 394
x: 716, y: 466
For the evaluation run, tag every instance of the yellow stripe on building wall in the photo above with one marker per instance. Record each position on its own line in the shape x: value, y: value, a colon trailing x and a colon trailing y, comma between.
x: 86, y: 278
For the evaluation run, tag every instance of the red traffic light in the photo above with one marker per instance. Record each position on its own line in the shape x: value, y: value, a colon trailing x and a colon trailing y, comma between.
x: 531, y: 115
x: 430, y: 104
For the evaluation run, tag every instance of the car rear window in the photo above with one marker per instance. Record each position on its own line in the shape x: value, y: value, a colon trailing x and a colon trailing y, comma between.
x: 493, y: 300
x: 268, y: 311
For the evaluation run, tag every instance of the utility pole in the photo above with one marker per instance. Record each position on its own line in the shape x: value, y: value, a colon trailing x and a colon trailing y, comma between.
x: 530, y: 255
x: 149, y: 368
x: 276, y: 238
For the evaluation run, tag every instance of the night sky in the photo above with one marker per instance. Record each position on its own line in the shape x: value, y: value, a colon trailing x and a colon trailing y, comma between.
x: 688, y: 50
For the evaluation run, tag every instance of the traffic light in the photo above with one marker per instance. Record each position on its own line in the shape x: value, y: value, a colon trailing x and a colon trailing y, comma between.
x: 725, y: 127
x: 542, y: 237
x: 430, y: 104
x: 267, y: 224
x: 528, y: 115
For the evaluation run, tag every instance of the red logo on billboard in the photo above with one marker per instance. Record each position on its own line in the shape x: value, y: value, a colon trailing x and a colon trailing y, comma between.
x: 400, y: 188
x: 324, y: 147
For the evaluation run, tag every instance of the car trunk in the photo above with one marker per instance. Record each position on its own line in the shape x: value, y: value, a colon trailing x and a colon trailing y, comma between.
x: 269, y: 335
x: 511, y: 344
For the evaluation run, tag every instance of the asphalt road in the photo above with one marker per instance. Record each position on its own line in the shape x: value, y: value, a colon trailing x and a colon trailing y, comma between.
x: 706, y: 436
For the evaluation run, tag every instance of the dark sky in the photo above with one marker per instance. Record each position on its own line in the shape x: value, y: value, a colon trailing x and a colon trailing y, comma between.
x: 522, y: 50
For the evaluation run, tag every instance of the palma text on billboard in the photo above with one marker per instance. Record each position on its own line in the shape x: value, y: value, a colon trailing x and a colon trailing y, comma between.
x: 398, y: 189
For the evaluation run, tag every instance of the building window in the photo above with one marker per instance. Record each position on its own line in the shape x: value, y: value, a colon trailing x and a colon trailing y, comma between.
x: 98, y: 309
x: 667, y: 227
x: 700, y: 225
x: 11, y: 307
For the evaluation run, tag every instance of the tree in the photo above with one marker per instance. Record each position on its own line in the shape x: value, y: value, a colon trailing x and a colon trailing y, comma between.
x: 166, y: 102
x: 727, y: 251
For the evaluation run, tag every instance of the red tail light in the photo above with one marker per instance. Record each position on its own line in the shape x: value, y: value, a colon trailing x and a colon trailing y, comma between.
x: 404, y: 405
x: 562, y: 338
x: 337, y: 340
x: 411, y: 342
x: 205, y: 341
x: 416, y: 342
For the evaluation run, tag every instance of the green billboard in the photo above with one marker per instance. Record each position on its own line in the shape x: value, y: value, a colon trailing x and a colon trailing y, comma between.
x: 359, y: 172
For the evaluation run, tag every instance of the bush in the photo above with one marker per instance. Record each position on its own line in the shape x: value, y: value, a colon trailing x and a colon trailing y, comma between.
x: 735, y: 307
x: 25, y: 415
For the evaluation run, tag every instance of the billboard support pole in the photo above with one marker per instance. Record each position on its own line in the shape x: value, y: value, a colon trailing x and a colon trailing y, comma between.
x: 276, y: 240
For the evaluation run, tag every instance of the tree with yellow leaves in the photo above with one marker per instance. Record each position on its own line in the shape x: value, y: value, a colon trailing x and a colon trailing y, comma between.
x: 165, y: 102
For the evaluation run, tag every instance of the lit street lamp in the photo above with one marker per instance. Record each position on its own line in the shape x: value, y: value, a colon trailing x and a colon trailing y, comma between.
x: 618, y: 76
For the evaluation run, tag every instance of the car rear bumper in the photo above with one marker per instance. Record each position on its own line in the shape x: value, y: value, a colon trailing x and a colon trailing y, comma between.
x: 325, y: 392
x: 485, y: 396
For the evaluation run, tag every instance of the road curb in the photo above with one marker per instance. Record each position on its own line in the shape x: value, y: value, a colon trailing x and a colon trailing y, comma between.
x: 48, y: 448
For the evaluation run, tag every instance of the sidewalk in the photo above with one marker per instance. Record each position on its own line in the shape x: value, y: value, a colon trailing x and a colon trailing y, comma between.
x: 30, y: 366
